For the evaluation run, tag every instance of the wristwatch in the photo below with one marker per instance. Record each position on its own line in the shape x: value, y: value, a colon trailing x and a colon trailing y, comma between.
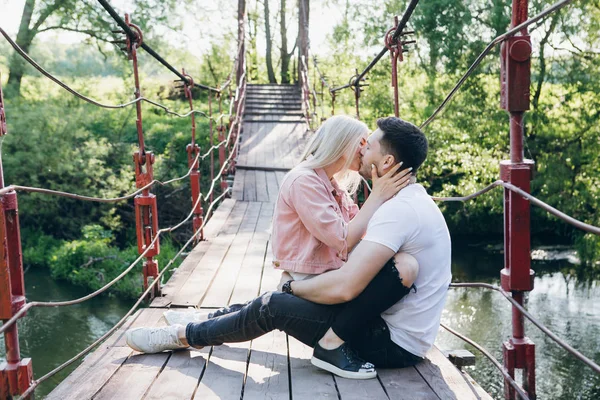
x: 287, y: 287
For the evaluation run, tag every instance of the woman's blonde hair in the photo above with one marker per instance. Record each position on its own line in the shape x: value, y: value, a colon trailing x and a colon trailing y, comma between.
x: 338, y: 136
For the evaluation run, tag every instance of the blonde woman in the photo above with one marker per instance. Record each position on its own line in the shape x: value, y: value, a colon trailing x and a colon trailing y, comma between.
x: 316, y: 223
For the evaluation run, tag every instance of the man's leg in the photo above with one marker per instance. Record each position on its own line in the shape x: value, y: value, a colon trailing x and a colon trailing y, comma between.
x: 374, y: 344
x: 390, y: 285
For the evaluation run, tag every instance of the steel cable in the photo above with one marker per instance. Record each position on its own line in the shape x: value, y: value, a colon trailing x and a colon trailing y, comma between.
x: 488, y: 49
x: 533, y: 320
x: 527, y: 196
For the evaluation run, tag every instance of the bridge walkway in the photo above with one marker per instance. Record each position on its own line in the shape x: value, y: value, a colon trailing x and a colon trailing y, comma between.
x: 234, y: 265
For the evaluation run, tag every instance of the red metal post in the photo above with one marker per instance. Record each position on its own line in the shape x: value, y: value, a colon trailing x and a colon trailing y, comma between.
x: 193, y: 151
x: 211, y: 142
x: 146, y: 212
x: 16, y: 374
x: 221, y: 137
x: 517, y: 276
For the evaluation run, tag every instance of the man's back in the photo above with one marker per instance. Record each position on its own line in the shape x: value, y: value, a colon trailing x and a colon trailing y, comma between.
x: 412, y: 223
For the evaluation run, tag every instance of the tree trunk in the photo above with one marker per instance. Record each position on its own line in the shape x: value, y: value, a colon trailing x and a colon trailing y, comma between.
x: 269, y: 57
x: 241, y: 40
x: 24, y: 38
x: 303, y: 17
x: 285, y: 57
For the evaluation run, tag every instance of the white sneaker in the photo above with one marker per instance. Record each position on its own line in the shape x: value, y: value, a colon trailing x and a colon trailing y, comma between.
x: 154, y: 340
x: 185, y: 317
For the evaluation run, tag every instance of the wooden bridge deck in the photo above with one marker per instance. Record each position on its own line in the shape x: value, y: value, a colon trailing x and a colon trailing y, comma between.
x: 234, y: 265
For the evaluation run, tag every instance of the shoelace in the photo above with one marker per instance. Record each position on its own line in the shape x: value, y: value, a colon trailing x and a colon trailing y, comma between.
x: 160, y: 337
x: 354, y: 358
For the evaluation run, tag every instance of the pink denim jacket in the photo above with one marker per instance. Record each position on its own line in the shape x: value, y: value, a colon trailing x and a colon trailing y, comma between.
x: 310, y: 222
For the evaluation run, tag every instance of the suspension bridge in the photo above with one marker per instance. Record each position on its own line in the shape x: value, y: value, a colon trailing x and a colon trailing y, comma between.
x: 259, y: 138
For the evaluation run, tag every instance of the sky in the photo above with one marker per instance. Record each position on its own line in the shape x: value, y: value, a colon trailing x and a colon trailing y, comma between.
x: 218, y: 18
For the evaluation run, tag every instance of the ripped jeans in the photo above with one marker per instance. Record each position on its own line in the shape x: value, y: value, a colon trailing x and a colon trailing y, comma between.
x: 358, y: 322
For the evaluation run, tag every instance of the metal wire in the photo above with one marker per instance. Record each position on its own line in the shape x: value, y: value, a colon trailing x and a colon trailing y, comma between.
x: 533, y: 320
x: 133, y: 36
x: 37, y: 382
x: 401, y: 25
x: 527, y: 196
x: 495, y: 362
x: 488, y: 49
x: 75, y: 196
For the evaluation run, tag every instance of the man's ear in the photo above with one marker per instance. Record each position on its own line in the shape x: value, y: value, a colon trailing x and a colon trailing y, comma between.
x: 388, y: 162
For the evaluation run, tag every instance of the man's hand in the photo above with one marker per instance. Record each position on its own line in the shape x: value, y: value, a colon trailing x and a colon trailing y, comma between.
x: 285, y: 276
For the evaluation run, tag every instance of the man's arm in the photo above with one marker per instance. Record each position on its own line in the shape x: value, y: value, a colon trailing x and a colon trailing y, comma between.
x: 346, y: 283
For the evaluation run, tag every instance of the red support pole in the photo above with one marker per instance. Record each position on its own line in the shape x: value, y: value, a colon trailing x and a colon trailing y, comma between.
x: 211, y: 142
x: 16, y: 374
x: 517, y: 276
x: 146, y: 212
x: 193, y: 151
x: 221, y: 138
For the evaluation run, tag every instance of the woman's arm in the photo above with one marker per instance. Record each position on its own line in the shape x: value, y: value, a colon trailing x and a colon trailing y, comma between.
x: 383, y: 189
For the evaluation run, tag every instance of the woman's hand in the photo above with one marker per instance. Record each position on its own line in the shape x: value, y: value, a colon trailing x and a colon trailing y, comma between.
x: 385, y: 187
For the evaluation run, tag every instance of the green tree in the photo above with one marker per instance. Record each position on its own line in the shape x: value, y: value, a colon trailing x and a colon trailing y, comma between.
x: 77, y: 16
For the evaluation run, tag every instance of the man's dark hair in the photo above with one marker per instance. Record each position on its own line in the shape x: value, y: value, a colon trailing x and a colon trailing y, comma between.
x: 404, y: 141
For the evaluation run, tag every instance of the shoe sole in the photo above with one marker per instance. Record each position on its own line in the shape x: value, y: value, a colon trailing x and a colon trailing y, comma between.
x: 340, y: 372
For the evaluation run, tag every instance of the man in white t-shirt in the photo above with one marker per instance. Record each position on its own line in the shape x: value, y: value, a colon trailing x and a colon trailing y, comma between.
x: 365, y: 310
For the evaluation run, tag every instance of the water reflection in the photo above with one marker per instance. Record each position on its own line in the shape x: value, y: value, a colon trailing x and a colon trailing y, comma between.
x: 51, y: 336
x: 564, y: 303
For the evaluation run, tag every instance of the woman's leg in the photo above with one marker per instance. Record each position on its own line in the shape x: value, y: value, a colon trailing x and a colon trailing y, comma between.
x: 302, y: 319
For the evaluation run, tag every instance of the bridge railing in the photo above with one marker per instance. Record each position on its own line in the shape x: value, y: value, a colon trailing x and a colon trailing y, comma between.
x: 515, y: 175
x: 16, y: 375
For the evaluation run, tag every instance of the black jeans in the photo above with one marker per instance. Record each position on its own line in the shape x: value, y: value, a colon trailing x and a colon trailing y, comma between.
x: 358, y: 322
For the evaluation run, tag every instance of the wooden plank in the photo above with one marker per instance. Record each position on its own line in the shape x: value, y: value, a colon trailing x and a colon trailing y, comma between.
x: 180, y: 377
x: 134, y: 377
x: 248, y: 282
x: 91, y: 375
x: 225, y: 373
x: 280, y: 176
x: 405, y: 384
x: 271, y: 276
x: 220, y: 290
x: 262, y: 193
x: 443, y: 377
x: 272, y: 187
x: 482, y: 394
x: 308, y: 382
x: 250, y: 186
x: 267, y: 376
x: 237, y: 191
x: 194, y: 289
x: 181, y: 274
x: 369, y: 389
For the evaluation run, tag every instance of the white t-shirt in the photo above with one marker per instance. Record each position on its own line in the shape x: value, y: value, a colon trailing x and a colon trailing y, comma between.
x: 412, y: 223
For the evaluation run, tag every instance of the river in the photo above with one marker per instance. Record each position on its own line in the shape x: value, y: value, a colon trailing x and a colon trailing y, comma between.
x: 567, y: 306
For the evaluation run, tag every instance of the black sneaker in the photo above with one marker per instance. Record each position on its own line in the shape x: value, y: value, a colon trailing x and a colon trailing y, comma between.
x: 343, y: 362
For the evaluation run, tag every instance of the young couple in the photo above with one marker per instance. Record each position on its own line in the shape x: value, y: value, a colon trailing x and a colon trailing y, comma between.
x: 363, y: 288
